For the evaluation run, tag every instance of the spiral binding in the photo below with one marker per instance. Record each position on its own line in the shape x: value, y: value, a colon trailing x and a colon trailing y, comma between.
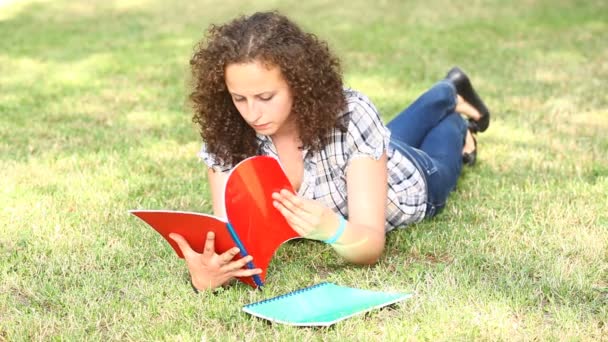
x: 292, y: 293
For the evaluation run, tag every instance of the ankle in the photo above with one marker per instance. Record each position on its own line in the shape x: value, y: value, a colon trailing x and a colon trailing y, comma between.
x: 466, y: 109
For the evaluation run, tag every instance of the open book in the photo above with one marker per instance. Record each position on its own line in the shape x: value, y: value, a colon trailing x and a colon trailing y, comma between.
x: 253, y: 224
x: 321, y: 305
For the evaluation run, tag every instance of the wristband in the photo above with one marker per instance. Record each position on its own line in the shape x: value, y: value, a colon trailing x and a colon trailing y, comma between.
x: 339, y: 232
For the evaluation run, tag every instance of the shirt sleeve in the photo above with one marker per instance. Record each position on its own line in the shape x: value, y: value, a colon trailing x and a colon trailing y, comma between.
x: 210, y: 160
x: 367, y: 136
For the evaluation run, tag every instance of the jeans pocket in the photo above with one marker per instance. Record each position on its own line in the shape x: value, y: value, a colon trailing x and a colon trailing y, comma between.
x: 425, y: 162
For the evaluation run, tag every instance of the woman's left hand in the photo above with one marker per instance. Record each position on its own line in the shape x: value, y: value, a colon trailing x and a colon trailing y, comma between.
x: 308, y: 218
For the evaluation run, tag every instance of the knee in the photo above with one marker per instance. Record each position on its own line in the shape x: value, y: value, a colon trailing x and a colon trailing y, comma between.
x: 445, y: 92
x: 459, y: 123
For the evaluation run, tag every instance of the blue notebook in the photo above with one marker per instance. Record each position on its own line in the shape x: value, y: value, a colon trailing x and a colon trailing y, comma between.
x: 321, y: 305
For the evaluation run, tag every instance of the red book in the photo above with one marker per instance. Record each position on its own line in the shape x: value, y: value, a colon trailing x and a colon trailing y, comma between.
x: 254, y: 224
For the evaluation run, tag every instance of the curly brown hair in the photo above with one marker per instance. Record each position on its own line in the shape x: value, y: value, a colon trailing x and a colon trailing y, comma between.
x: 312, y: 72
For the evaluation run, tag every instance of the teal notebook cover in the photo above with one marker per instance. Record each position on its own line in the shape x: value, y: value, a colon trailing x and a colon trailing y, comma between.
x: 321, y: 305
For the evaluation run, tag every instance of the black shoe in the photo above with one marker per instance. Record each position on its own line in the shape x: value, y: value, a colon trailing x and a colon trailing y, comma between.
x: 469, y: 159
x: 464, y: 88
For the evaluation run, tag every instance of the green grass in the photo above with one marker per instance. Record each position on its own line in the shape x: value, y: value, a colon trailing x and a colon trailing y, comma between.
x: 94, y: 122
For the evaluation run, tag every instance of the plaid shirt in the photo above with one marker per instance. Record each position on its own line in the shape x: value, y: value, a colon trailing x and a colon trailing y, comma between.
x: 324, y: 177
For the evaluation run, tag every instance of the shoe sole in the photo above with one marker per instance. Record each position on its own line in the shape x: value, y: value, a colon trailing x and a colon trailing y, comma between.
x: 468, y: 93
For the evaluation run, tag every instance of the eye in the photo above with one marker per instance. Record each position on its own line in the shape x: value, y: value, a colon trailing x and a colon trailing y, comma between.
x: 238, y: 99
x: 266, y: 98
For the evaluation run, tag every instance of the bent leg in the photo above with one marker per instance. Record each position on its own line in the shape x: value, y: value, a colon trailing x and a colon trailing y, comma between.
x: 444, y: 144
x: 413, y: 124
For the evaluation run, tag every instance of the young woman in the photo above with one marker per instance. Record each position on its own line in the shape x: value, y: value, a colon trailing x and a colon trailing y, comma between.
x: 262, y: 86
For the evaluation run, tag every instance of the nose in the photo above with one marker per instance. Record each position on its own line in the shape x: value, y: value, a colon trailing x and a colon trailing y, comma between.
x: 253, y: 112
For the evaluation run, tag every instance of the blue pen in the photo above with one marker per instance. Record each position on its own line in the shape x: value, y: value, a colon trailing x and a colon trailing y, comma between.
x: 256, y: 277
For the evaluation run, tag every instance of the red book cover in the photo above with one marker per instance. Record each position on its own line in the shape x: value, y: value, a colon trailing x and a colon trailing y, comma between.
x: 258, y: 228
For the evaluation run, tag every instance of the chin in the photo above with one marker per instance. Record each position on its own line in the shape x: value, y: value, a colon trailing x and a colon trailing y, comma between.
x: 270, y: 130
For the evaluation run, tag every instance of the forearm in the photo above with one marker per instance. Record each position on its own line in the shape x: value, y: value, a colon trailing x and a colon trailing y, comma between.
x: 217, y: 184
x: 360, y: 244
x: 360, y: 240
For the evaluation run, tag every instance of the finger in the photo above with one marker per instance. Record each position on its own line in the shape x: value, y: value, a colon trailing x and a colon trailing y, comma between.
x: 296, y: 222
x: 229, y: 255
x: 210, y: 244
x: 288, y: 217
x: 291, y: 199
x: 246, y: 272
x: 286, y: 204
x: 305, y: 209
x: 183, y: 245
x: 297, y: 201
x: 236, y: 265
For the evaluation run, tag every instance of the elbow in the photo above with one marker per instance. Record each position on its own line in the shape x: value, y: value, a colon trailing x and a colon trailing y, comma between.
x: 373, y: 252
x: 368, y: 259
x: 369, y: 262
x: 366, y: 252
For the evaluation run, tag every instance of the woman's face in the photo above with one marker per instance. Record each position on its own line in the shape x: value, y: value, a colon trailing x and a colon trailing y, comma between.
x: 262, y: 96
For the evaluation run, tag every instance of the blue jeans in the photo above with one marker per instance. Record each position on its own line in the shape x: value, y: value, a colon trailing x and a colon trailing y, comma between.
x: 431, y: 135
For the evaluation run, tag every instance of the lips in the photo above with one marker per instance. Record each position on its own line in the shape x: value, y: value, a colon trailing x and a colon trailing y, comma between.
x: 263, y: 126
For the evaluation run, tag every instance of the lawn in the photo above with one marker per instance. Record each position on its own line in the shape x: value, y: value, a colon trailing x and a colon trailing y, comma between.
x: 94, y: 121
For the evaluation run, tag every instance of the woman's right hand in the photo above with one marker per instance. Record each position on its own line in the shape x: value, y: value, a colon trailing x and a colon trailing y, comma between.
x: 209, y: 269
